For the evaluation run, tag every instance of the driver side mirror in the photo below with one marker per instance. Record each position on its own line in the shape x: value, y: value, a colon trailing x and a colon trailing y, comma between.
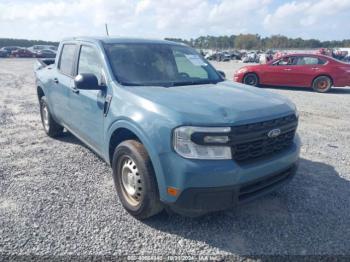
x: 222, y: 73
x: 87, y: 82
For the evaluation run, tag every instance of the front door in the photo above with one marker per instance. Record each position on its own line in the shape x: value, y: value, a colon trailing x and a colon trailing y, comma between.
x: 86, y: 106
x: 280, y: 73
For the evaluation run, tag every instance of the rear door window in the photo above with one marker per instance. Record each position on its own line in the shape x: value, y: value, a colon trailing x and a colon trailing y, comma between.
x: 310, y: 60
x: 67, y: 59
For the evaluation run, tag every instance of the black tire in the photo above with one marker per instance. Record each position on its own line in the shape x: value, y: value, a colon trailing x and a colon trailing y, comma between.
x: 251, y: 79
x: 145, y: 202
x: 322, y: 84
x: 51, y: 128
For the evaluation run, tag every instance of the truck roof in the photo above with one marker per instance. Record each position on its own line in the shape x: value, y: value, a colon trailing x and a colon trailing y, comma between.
x: 120, y: 40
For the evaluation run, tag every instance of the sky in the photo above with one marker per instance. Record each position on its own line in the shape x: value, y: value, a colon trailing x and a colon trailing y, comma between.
x: 56, y: 19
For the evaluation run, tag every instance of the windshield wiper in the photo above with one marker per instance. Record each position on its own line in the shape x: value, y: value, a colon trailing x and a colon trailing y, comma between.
x: 170, y: 84
x: 130, y: 84
x: 185, y: 83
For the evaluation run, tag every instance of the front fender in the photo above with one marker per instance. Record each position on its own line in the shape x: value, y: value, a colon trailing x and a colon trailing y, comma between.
x: 146, y: 141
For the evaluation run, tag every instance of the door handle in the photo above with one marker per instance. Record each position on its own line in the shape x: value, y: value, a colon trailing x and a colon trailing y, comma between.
x: 315, y: 68
x: 287, y: 69
x: 107, y: 104
x: 55, y: 80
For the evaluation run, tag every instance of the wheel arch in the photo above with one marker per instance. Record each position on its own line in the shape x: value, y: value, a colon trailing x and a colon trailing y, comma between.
x: 40, y: 92
x: 118, y: 136
x: 327, y: 75
x: 123, y: 130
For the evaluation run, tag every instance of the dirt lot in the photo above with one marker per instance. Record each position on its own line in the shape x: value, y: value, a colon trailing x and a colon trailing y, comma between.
x: 57, y: 197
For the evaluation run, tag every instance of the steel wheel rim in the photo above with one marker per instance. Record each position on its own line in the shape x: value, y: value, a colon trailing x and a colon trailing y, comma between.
x: 131, y: 181
x: 250, y: 80
x: 45, y: 116
x: 323, y: 84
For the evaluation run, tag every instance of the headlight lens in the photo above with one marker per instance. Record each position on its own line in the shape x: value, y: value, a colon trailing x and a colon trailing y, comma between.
x: 242, y: 70
x: 187, y: 148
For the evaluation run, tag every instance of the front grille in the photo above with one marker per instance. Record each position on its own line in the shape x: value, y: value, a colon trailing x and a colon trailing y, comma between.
x: 251, y: 142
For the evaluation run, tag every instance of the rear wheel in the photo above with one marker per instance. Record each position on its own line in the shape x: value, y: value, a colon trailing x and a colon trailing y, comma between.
x: 135, y: 180
x: 251, y: 79
x: 322, y: 84
x: 51, y: 128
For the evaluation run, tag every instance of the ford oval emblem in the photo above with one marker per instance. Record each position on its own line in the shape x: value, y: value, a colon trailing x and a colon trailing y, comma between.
x: 274, y: 133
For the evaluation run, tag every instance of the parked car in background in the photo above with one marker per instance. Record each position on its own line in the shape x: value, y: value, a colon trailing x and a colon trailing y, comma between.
x: 23, y: 52
x: 279, y: 54
x: 219, y: 56
x: 46, y: 53
x: 53, y: 48
x: 251, y: 57
x: 3, y: 53
x: 223, y: 57
x: 300, y: 70
x: 347, y: 59
x: 9, y: 49
x: 37, y: 48
x: 235, y: 55
x: 176, y: 133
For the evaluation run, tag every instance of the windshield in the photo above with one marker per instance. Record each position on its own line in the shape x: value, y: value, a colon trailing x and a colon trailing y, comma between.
x: 159, y: 64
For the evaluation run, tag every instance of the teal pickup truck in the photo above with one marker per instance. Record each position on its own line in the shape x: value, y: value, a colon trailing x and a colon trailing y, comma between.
x: 176, y: 133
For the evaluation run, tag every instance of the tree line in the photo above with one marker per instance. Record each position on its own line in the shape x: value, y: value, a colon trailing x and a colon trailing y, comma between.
x: 242, y: 41
x: 255, y: 41
x: 24, y: 42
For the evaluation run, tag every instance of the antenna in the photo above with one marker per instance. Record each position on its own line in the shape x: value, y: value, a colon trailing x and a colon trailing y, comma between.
x: 107, y: 29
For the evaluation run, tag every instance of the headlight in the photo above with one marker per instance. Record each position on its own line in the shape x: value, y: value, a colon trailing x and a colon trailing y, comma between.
x: 202, y: 142
x: 242, y: 70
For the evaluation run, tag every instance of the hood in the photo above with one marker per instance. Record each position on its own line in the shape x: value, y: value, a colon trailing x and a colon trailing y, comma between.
x: 246, y: 68
x: 221, y: 103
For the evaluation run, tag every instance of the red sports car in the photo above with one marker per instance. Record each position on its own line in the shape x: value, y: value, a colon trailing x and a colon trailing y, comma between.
x: 300, y: 70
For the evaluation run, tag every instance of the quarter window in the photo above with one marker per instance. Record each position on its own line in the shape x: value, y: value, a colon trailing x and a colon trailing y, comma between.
x: 67, y: 59
x: 89, y: 61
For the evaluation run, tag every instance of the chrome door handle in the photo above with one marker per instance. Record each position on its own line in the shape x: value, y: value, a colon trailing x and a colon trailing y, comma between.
x: 315, y: 68
x: 287, y: 69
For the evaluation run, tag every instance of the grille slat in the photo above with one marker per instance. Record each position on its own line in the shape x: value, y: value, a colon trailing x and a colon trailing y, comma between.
x: 251, y: 141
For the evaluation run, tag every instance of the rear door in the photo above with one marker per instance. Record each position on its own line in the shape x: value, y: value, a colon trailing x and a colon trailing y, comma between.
x: 87, y: 106
x: 307, y: 68
x: 62, y: 83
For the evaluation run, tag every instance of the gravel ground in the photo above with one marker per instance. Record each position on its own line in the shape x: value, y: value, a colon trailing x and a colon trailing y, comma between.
x: 58, y: 198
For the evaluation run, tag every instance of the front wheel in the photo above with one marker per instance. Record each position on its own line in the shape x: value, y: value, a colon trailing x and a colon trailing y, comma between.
x: 135, y: 180
x: 322, y: 84
x: 251, y: 79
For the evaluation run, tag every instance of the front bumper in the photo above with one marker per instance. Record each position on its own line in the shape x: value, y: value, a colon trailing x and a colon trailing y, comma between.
x: 238, y: 78
x: 203, y: 200
x: 190, y: 176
